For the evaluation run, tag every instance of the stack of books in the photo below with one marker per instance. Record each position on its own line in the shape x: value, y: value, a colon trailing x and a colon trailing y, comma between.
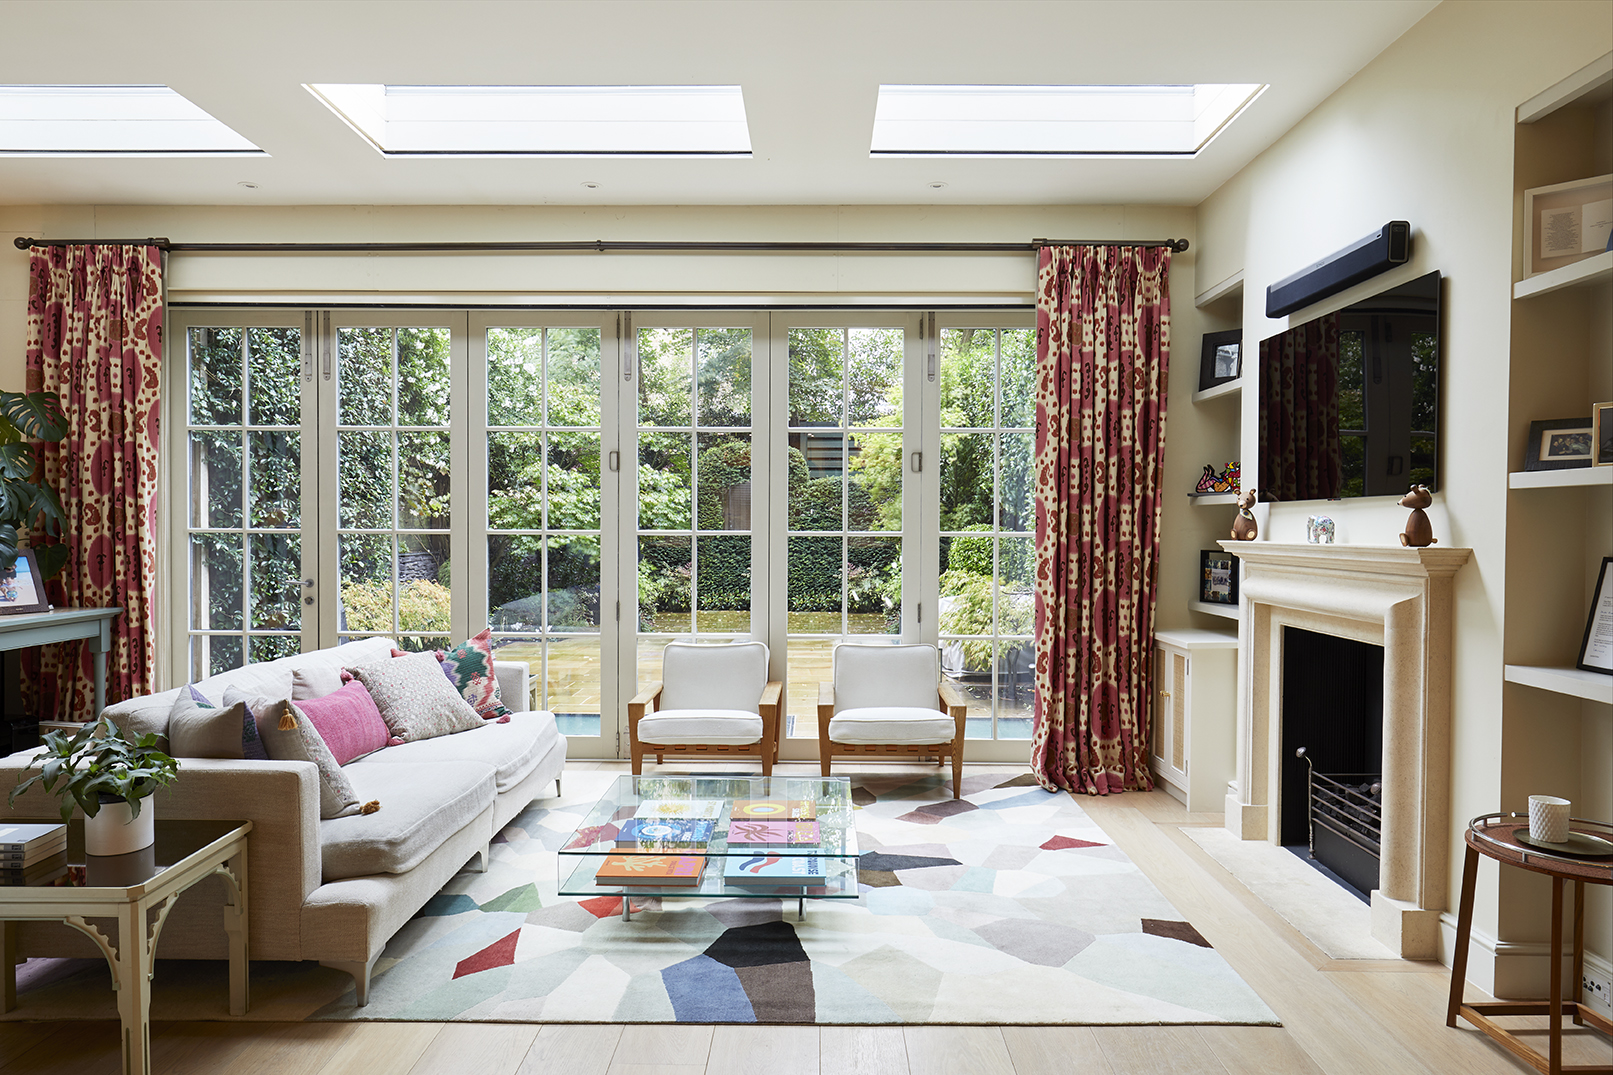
x: 668, y: 834
x: 774, y: 871
x: 776, y: 809
x: 672, y: 871
x: 32, y: 854
x: 679, y: 808
x: 744, y: 835
x: 662, y: 825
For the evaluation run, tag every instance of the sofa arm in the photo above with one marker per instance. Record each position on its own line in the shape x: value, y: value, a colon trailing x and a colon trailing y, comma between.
x: 514, y: 684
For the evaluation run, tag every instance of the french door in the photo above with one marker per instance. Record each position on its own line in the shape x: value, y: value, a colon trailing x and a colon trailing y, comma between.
x: 593, y: 485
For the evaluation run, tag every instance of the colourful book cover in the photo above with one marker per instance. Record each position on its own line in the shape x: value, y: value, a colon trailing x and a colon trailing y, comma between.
x: 679, y: 808
x: 665, y: 832
x: 742, y: 833
x: 776, y: 809
x: 669, y: 870
x: 774, y: 871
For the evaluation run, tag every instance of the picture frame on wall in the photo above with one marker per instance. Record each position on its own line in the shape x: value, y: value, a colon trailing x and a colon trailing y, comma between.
x: 1221, y: 359
x: 1218, y: 577
x: 1567, y: 222
x: 1559, y: 444
x: 1596, y: 649
x: 1602, y: 435
x: 21, y: 588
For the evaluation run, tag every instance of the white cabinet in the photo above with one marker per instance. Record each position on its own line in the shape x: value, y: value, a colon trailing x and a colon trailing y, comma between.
x: 1195, y: 715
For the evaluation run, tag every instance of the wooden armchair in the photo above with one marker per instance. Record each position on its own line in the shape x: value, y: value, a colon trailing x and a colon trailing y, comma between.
x: 890, y: 701
x: 712, y: 701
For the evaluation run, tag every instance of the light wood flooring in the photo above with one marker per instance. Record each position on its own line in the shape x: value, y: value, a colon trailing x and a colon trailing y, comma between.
x: 1340, y: 1017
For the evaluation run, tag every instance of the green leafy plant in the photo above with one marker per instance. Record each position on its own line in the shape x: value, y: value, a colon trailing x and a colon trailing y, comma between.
x: 98, y: 761
x: 24, y: 502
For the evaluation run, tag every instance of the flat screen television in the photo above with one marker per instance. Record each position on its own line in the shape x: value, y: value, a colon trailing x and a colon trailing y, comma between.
x: 1349, y: 401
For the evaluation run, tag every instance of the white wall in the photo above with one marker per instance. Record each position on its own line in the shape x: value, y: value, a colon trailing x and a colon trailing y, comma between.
x: 1425, y: 133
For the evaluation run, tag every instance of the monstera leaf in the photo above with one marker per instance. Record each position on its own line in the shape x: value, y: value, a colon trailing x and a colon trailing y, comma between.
x: 24, y: 502
x: 36, y: 415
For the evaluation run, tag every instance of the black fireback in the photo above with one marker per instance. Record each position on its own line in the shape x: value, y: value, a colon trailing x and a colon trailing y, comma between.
x: 1332, y: 706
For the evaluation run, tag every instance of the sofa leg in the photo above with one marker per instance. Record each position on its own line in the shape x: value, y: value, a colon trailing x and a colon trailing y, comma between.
x: 557, y: 792
x: 361, y: 975
x: 479, y: 861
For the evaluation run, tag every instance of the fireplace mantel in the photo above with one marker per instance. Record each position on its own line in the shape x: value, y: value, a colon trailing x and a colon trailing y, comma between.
x: 1387, y: 595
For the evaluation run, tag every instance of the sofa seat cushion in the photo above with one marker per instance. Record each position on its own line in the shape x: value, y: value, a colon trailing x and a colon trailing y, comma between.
x: 734, y: 727
x: 422, y: 804
x: 512, y: 749
x: 891, y: 724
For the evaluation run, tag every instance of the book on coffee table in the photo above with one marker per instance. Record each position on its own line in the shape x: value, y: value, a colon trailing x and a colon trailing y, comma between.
x: 743, y: 834
x: 776, y: 809
x: 24, y: 845
x: 774, y: 871
x: 38, y: 874
x: 679, y: 808
x: 653, y: 870
x: 668, y: 833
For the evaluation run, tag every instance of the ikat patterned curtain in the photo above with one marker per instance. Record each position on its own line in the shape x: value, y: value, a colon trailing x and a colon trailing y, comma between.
x: 95, y: 339
x: 1103, y: 352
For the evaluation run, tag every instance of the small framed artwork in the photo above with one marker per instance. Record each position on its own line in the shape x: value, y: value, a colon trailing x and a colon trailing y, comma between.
x: 1602, y: 435
x: 1559, y: 444
x: 1567, y: 222
x: 21, y: 588
x: 1218, y: 577
x: 1222, y: 358
x: 1596, y: 651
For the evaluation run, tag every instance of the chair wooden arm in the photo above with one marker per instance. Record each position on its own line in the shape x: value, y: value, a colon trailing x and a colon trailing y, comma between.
x: 772, y: 692
x: 953, y: 704
x: 649, y: 697
x: 826, y: 702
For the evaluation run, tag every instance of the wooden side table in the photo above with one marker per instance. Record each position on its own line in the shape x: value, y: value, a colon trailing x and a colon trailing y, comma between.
x: 1495, y: 836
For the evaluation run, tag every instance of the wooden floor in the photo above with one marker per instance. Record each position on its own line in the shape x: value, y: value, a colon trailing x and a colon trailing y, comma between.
x: 1340, y: 1017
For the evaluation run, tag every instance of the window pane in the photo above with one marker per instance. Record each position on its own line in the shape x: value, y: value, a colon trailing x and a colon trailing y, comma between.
x: 968, y: 377
x: 874, y: 377
x: 876, y: 474
x: 215, y: 479
x: 274, y: 365
x: 722, y: 578
x: 275, y: 462
x: 814, y: 580
x: 816, y: 376
x: 364, y: 376
x: 366, y: 583
x: 574, y: 376
x: 573, y: 481
x: 217, y: 576
x: 515, y: 481
x: 276, y: 581
x: 273, y: 647
x: 514, y: 376
x: 423, y: 592
x: 725, y: 482
x: 665, y: 363
x: 364, y: 474
x: 874, y: 586
x: 665, y: 570
x: 966, y: 469
x: 819, y: 504
x: 213, y: 654
x: 423, y: 376
x: 723, y: 382
x: 1016, y: 567
x: 664, y: 496
x: 215, y: 376
x: 423, y: 481
x: 1016, y: 509
x: 515, y: 582
x: 571, y: 684
x: 1018, y: 378
x: 573, y: 590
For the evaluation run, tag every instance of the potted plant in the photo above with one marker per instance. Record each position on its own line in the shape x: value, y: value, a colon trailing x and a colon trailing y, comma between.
x: 24, y: 501
x: 107, y: 776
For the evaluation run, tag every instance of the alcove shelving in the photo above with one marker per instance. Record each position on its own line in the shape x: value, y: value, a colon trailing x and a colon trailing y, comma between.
x: 1220, y: 414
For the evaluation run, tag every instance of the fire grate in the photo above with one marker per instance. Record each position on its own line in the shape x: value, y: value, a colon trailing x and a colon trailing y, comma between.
x: 1347, y: 825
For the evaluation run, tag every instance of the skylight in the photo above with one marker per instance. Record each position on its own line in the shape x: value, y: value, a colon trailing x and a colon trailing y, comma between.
x: 93, y: 121
x: 1054, y: 121
x: 544, y: 121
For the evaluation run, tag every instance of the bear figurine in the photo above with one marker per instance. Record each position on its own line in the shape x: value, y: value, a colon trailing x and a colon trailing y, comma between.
x: 1244, y: 527
x: 1419, y: 531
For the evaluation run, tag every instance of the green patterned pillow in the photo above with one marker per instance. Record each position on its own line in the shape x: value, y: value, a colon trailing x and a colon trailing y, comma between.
x: 469, y: 666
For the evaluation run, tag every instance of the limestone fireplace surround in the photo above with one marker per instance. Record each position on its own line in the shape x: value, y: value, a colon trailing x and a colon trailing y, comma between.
x: 1389, y: 596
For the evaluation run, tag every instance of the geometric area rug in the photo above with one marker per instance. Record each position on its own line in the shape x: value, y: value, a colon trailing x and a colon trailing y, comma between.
x: 1009, y: 906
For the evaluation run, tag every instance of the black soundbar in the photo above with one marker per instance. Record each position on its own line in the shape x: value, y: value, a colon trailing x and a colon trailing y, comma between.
x: 1385, y: 248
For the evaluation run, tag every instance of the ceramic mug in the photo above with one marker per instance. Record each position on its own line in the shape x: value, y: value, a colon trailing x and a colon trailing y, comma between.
x: 1319, y: 530
x: 1548, y: 819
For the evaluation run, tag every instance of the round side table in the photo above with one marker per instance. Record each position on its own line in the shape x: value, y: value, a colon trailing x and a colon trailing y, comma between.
x: 1496, y: 836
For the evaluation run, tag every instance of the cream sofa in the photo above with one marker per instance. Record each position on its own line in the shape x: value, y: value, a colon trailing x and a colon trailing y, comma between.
x: 330, y: 890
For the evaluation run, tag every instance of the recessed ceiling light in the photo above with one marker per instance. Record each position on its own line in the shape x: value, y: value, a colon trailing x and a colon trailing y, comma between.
x: 127, y: 121
x: 936, y: 184
x: 247, y: 184
x: 1054, y: 121
x: 543, y: 121
x: 591, y: 185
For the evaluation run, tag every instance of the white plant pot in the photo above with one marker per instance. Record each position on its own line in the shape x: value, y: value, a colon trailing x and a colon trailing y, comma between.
x: 113, y: 831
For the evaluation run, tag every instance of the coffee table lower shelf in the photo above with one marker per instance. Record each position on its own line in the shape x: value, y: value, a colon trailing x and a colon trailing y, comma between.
x: 840, y: 883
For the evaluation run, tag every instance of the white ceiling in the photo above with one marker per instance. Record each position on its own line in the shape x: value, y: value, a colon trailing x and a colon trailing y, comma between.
x: 810, y: 70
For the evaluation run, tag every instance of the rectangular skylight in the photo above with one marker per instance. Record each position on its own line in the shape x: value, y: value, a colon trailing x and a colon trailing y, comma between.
x: 1054, y: 121
x: 94, y: 121
x: 544, y: 121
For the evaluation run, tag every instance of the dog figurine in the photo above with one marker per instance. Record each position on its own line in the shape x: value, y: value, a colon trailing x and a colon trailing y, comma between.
x: 1244, y: 527
x: 1419, y: 531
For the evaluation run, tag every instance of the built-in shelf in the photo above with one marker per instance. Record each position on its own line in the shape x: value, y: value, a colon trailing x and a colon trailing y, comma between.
x: 1548, y: 479
x: 1231, y: 287
x: 1589, y: 83
x: 1229, y: 612
x: 1213, y: 498
x: 1228, y: 388
x: 1580, y: 274
x: 1589, y: 685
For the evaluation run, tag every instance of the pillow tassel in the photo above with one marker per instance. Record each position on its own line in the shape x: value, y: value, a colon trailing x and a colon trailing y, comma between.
x: 370, y: 807
x: 288, y: 723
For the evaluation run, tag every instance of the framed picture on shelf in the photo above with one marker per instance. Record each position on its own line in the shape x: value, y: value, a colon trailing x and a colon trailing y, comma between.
x: 21, y: 588
x: 1222, y: 358
x: 1218, y: 577
x: 1602, y: 435
x: 1596, y: 651
x: 1567, y: 222
x: 1559, y: 444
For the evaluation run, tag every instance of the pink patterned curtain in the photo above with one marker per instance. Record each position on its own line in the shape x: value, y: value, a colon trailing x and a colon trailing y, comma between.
x: 1103, y: 318
x: 95, y: 339
x: 1300, y: 453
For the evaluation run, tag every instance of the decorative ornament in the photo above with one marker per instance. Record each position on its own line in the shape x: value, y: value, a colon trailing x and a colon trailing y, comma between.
x: 1319, y: 530
x: 1419, y: 531
x: 1244, y: 527
x: 1224, y: 482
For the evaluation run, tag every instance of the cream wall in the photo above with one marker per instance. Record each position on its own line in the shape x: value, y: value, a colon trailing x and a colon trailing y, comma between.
x: 1425, y: 133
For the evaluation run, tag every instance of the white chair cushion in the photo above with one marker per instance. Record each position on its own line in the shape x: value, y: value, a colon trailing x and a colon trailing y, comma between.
x: 727, y: 677
x: 868, y: 677
x: 733, y: 727
x: 891, y: 724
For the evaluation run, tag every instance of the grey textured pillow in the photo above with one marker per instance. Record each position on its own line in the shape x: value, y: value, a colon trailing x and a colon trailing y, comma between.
x: 288, y: 736
x: 415, y: 698
x: 315, y: 682
x: 199, y: 729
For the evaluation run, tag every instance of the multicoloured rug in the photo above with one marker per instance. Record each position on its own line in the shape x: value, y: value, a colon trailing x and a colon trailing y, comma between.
x: 1008, y: 906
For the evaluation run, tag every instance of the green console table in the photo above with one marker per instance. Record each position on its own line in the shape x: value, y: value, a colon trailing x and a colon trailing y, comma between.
x: 64, y: 625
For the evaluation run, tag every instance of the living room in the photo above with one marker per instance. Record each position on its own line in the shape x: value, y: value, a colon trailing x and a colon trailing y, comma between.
x: 813, y: 233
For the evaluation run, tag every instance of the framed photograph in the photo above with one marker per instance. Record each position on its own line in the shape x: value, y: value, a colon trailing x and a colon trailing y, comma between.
x: 1602, y: 435
x: 1218, y: 577
x: 21, y: 588
x: 1559, y: 444
x: 1567, y: 222
x: 1596, y: 651
x: 1222, y: 359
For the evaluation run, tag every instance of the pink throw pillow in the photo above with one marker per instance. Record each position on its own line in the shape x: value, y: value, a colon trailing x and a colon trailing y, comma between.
x: 347, y: 720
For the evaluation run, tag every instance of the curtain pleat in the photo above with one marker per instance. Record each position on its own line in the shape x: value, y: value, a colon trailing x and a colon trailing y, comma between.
x: 95, y: 316
x: 1103, y: 354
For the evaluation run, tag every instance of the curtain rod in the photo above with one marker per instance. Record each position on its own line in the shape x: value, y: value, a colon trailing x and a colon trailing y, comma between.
x: 600, y: 246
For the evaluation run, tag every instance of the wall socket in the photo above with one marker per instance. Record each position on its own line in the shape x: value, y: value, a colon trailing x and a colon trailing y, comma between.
x: 1597, y: 991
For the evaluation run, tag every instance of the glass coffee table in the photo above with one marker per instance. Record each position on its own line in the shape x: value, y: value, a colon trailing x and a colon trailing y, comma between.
x: 715, y: 837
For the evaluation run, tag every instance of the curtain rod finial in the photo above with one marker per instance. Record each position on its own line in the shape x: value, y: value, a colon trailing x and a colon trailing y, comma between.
x: 22, y: 242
